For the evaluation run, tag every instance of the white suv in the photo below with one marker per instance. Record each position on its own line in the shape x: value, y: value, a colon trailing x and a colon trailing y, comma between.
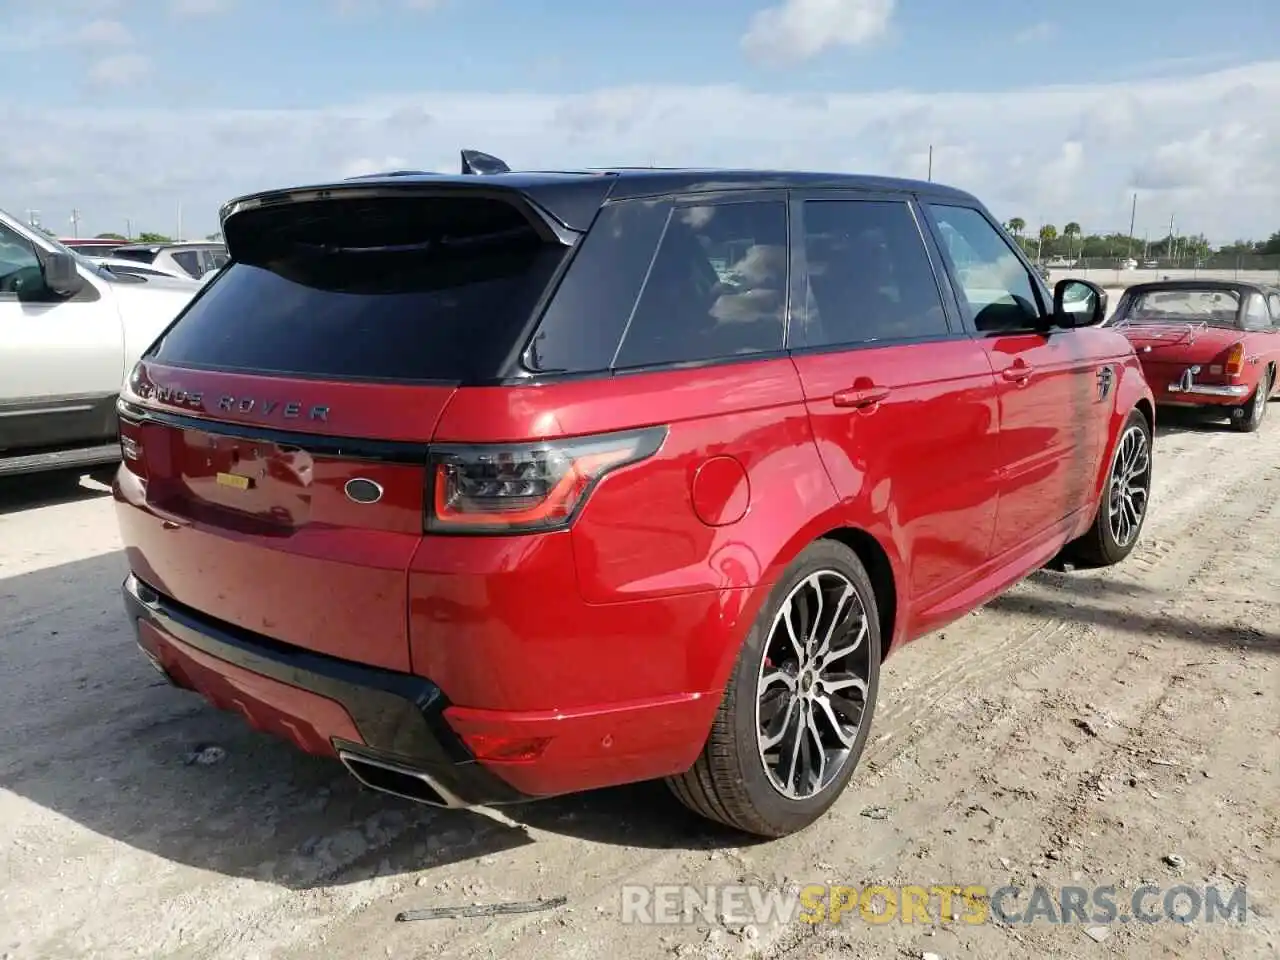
x: 70, y: 331
x: 184, y: 259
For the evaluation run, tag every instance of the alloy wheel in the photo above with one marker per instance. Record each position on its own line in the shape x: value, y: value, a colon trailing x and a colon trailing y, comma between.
x: 1130, y: 485
x: 812, y: 685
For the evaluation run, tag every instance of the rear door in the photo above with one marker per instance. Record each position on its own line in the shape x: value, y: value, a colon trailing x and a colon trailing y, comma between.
x: 901, y: 399
x: 278, y: 430
x: 1048, y: 379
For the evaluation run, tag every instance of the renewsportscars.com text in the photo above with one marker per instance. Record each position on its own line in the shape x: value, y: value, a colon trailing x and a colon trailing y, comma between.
x: 675, y: 904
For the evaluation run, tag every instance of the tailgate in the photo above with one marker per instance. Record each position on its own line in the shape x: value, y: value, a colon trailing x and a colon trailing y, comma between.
x: 301, y: 537
x: 275, y: 437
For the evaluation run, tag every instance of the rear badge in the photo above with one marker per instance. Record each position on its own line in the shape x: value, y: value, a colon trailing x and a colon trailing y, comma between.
x: 360, y: 490
x: 235, y: 481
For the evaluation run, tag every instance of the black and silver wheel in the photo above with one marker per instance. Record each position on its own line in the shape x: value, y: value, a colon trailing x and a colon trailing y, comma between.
x: 797, y: 709
x: 1249, y: 416
x: 1125, y: 499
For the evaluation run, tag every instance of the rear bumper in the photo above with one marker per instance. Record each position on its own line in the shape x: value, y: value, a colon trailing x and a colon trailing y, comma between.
x: 334, y: 707
x: 1208, y: 393
x: 322, y: 704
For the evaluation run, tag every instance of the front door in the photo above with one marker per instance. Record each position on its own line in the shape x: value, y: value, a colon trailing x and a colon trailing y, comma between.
x: 61, y: 361
x: 902, y: 400
x: 1047, y: 380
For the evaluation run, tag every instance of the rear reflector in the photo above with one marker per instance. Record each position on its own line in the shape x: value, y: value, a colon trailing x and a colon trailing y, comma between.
x: 1235, y: 360
x: 506, y: 488
x: 488, y: 746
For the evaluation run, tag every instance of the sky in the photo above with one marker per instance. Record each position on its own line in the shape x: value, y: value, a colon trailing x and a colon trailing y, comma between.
x: 149, y: 114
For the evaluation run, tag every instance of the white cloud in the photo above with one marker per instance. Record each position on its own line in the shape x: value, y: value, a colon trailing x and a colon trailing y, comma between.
x: 103, y: 33
x: 1037, y: 32
x: 797, y: 30
x: 199, y: 8
x: 363, y: 165
x: 120, y: 70
x: 1205, y: 147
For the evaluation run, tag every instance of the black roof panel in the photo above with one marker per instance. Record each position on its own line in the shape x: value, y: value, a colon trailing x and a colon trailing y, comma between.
x: 574, y: 196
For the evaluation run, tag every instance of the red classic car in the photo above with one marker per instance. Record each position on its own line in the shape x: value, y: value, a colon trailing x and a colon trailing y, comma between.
x: 1206, y: 344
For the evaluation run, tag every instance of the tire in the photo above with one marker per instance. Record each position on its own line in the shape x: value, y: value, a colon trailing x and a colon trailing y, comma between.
x: 1109, y: 542
x: 1254, y: 410
x: 731, y: 782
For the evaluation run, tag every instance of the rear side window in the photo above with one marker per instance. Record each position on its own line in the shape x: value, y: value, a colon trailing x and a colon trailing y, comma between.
x: 389, y: 288
x: 1274, y: 301
x: 1256, y: 316
x: 868, y: 275
x: 189, y: 260
x: 580, y: 331
x: 716, y: 288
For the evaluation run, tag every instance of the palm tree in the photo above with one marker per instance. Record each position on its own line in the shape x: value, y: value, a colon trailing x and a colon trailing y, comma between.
x: 1071, y: 231
x: 1016, y: 226
x: 1048, y: 234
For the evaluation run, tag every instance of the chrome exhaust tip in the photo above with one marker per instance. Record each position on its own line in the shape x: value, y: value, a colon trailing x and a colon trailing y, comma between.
x: 399, y: 781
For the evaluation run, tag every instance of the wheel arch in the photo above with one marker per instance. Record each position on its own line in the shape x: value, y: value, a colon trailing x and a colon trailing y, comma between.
x: 880, y: 569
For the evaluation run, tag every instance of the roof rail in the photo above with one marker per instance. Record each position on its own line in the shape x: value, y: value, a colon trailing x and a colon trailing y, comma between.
x: 477, y: 163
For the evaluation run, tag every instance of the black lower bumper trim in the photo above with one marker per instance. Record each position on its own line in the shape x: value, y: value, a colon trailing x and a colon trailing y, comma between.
x: 400, y: 716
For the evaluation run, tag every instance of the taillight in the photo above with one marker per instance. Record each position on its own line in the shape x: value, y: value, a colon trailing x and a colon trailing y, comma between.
x: 507, y: 488
x: 1235, y: 360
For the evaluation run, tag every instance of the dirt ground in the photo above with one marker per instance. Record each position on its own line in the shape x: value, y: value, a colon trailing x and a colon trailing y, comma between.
x: 1114, y: 727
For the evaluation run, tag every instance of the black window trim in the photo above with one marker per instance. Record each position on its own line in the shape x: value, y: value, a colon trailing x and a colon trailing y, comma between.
x: 1038, y: 286
x: 799, y: 270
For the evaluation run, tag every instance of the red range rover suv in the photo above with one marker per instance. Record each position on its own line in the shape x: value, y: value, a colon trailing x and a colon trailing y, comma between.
x: 501, y: 486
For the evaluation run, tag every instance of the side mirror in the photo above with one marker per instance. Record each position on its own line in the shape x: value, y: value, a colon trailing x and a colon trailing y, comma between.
x: 1078, y: 303
x: 62, y: 274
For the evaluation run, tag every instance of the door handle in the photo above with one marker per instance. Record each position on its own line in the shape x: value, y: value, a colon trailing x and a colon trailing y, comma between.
x: 1018, y: 373
x: 859, y: 397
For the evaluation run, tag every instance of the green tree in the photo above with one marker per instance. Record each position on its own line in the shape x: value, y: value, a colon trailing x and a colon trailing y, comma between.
x: 1071, y: 232
x: 1016, y: 225
x: 146, y: 237
x: 1271, y: 246
x: 1048, y: 234
x: 111, y: 236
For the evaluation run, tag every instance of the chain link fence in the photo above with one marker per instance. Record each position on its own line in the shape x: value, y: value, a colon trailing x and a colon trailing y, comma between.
x: 1113, y: 271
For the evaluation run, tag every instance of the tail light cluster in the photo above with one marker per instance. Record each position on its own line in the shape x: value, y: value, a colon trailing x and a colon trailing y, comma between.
x: 1234, y: 365
x: 509, y: 488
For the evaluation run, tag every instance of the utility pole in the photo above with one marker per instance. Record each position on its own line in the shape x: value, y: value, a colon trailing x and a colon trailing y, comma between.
x: 1168, y: 251
x: 179, y: 234
x: 931, y: 163
x: 33, y: 217
x: 75, y: 223
x: 1133, y: 213
x: 128, y: 229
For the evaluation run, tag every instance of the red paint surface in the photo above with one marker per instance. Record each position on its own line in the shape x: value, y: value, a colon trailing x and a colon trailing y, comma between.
x: 614, y: 638
x: 1167, y: 350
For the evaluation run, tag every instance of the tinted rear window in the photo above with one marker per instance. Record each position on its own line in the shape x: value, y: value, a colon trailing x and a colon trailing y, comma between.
x: 378, y: 289
x: 142, y: 256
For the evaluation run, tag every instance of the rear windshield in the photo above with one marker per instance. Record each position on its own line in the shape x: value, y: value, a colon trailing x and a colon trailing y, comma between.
x: 142, y: 256
x: 404, y: 288
x: 1185, y: 306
